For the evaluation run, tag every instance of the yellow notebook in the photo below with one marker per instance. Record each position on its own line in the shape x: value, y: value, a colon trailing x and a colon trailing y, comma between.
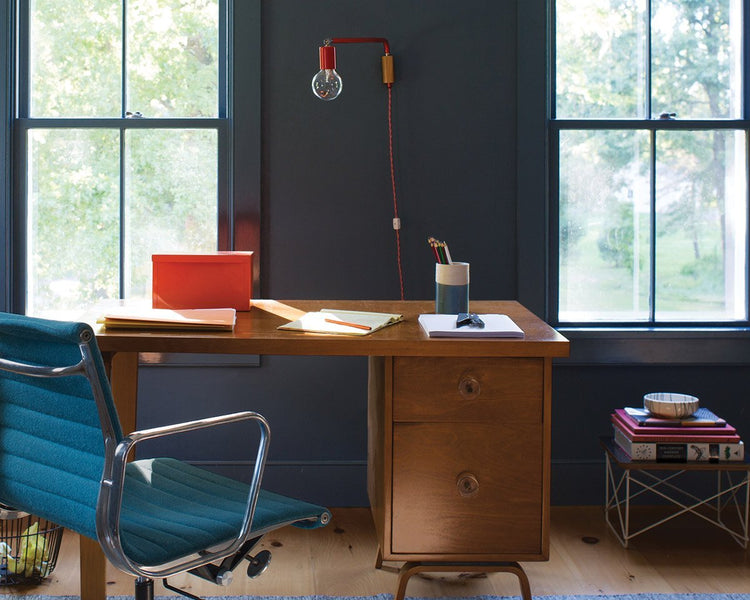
x: 203, y: 319
x: 342, y: 322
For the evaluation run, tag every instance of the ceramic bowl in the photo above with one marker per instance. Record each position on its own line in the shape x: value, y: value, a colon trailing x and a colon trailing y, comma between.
x: 670, y: 404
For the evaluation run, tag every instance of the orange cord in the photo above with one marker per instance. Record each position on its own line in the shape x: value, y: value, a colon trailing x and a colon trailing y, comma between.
x: 393, y: 187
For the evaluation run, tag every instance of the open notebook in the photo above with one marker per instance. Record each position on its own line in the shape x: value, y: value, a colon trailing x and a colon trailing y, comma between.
x: 342, y: 322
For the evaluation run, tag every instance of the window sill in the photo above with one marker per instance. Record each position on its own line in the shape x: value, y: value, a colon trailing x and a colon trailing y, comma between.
x: 650, y: 346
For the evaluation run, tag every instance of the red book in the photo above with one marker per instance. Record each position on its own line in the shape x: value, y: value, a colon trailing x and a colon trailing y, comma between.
x: 680, y: 437
x: 673, y: 430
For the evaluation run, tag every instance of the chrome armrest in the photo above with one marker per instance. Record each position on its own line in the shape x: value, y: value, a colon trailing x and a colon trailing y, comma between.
x: 39, y: 370
x: 109, y: 504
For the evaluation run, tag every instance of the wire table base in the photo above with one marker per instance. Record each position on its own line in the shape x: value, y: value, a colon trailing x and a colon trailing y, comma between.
x: 627, y: 479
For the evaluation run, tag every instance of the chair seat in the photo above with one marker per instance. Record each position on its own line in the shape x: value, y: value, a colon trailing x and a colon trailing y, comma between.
x: 172, y: 509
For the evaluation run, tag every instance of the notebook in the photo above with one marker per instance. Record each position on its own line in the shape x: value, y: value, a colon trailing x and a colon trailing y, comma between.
x: 342, y: 322
x: 204, y: 319
x: 495, y: 326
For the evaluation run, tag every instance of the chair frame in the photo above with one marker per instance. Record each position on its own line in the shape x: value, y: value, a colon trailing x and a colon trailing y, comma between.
x: 116, y: 455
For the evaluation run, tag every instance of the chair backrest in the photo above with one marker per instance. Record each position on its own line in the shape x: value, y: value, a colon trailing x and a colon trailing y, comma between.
x: 52, y: 428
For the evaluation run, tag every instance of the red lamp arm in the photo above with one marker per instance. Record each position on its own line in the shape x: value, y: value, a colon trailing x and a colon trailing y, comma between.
x: 363, y: 40
x: 328, y: 57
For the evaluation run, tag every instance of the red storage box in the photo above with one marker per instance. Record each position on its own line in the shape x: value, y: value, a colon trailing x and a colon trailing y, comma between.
x: 216, y: 280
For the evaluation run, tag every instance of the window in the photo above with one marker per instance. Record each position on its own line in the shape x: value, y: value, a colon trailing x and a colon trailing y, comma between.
x: 123, y: 142
x: 649, y: 162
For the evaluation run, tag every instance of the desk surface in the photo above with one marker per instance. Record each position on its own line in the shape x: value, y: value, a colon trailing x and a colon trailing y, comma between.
x: 256, y: 333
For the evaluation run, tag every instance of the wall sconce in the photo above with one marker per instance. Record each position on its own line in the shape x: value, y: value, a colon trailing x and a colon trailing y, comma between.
x: 327, y: 85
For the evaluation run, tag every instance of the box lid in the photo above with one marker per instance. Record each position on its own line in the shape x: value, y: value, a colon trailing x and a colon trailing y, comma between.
x: 205, y: 257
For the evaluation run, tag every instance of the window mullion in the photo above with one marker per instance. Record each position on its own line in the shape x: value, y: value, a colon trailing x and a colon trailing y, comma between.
x: 123, y: 109
x: 122, y: 245
x: 554, y: 222
x: 225, y: 238
x: 20, y: 162
x: 23, y: 75
x: 747, y: 217
x: 224, y: 43
x: 124, y: 61
x: 552, y: 63
x: 649, y: 58
x: 652, y: 229
x: 745, y: 111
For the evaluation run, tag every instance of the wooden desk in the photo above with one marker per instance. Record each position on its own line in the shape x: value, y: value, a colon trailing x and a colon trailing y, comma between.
x: 459, y: 430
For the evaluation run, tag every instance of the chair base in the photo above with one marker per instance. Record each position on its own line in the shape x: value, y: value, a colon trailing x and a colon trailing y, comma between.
x: 144, y: 588
x: 219, y: 574
x: 176, y: 590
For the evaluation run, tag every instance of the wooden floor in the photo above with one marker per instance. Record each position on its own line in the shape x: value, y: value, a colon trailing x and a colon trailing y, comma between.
x: 686, y: 555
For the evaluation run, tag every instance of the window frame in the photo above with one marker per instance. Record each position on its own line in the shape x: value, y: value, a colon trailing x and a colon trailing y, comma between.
x: 652, y: 126
x: 238, y: 193
x: 7, y: 77
x: 595, y: 344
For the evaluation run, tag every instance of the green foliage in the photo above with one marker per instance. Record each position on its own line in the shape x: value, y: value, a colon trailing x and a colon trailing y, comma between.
x: 173, y: 58
x: 601, y: 49
x: 171, y: 202
x: 171, y: 61
x: 691, y: 52
x: 616, y: 243
x: 75, y: 58
x: 597, y: 76
x: 604, y: 174
x: 73, y: 218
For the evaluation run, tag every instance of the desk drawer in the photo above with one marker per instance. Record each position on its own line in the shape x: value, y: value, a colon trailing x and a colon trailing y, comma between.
x: 468, y: 389
x: 467, y: 488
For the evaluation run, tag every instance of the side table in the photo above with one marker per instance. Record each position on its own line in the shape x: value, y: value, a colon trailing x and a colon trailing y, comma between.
x: 627, y: 479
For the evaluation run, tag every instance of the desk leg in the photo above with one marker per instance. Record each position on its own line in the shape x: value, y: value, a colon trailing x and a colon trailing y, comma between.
x: 412, y: 568
x: 123, y: 377
x: 122, y: 369
x: 93, y: 570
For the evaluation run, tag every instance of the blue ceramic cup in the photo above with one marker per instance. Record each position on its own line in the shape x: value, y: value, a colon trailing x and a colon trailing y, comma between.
x: 452, y: 288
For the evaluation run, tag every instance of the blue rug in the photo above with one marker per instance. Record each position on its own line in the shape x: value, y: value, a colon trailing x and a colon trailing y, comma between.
x: 390, y: 597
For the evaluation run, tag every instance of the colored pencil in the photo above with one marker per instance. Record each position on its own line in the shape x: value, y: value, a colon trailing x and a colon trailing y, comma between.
x: 440, y: 250
x: 357, y: 325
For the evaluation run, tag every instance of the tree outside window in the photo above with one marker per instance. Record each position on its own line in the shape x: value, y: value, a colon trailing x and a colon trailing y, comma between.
x: 123, y: 117
x: 651, y: 153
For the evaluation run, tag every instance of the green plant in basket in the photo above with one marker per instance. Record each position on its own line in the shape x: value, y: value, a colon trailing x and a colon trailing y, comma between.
x: 33, y: 554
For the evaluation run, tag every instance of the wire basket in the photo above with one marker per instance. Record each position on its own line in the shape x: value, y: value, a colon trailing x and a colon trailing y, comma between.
x: 29, y: 547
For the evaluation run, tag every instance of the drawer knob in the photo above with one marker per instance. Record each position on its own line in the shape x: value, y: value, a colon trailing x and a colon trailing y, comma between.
x: 469, y: 387
x: 467, y: 484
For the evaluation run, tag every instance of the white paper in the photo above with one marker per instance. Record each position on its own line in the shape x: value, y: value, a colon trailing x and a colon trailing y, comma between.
x: 494, y: 326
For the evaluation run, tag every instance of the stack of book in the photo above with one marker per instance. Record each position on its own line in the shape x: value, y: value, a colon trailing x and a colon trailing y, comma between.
x: 702, y: 436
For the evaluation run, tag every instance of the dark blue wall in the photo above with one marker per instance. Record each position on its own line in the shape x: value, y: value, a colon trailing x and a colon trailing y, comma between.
x: 327, y: 202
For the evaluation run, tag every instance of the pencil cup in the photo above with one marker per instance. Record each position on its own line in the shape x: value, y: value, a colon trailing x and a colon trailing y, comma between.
x: 452, y: 288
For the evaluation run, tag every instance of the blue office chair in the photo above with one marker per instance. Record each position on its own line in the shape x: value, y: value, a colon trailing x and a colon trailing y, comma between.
x: 64, y: 457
